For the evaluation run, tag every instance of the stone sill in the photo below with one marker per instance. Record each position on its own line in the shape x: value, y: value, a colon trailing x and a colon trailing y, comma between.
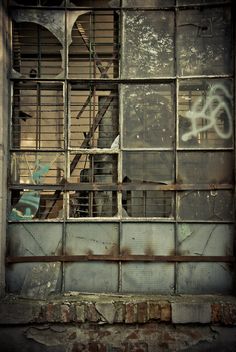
x: 126, y: 309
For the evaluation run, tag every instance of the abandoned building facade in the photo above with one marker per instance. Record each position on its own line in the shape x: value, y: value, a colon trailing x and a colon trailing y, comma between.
x: 117, y: 175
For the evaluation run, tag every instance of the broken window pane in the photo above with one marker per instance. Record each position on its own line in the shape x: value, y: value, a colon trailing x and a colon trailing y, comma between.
x: 94, y: 116
x: 215, y: 205
x: 36, y: 51
x: 205, y: 278
x: 89, y: 238
x: 155, y: 167
x: 205, y: 167
x: 37, y: 116
x: 93, y: 52
x: 147, y: 239
x: 206, y: 113
x: 148, y: 44
x: 148, y: 114
x: 148, y: 277
x: 204, y: 37
x: 93, y: 168
x: 205, y: 239
x: 88, y: 203
x: 35, y: 205
x: 37, y: 168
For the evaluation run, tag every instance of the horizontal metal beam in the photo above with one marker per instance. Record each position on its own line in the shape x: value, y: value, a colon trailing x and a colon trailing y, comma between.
x: 120, y: 258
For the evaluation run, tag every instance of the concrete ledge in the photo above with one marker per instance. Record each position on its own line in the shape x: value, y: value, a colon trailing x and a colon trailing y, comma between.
x: 183, y: 313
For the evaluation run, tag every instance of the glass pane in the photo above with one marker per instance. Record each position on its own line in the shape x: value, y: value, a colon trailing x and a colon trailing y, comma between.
x: 37, y: 116
x: 148, y: 277
x: 155, y: 167
x: 148, y: 114
x: 37, y: 168
x: 204, y: 205
x: 147, y: 239
x: 206, y: 113
x: 205, y: 239
x: 190, y: 2
x: 89, y: 238
x: 205, y: 278
x: 91, y: 277
x: 93, y: 204
x: 36, y: 205
x: 99, y: 168
x: 148, y: 44
x: 94, y: 116
x: 34, y: 239
x: 204, y: 41
x: 205, y: 167
x: 148, y: 3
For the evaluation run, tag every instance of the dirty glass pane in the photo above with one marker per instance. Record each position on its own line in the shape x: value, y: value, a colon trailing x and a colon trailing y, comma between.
x: 91, y: 277
x: 94, y: 116
x: 147, y: 239
x: 148, y: 3
x: 148, y: 44
x: 205, y: 167
x: 34, y: 280
x: 190, y: 2
x: 93, y: 52
x: 37, y: 52
x: 96, y: 168
x: 148, y: 166
x: 148, y: 115
x: 205, y: 205
x: 35, y: 205
x: 90, y: 238
x: 37, y: 116
x: 87, y: 203
x: 204, y: 41
x: 148, y: 278
x: 205, y: 239
x: 94, y: 3
x: 205, y: 278
x: 34, y: 239
x: 206, y: 113
x: 37, y: 168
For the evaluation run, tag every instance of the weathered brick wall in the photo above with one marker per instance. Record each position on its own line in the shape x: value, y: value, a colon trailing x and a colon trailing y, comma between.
x: 122, y: 324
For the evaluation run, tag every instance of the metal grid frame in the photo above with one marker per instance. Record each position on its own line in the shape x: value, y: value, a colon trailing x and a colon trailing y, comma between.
x: 121, y: 187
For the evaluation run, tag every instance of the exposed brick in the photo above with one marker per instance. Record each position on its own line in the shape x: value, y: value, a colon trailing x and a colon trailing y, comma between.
x: 154, y: 311
x: 91, y: 313
x: 138, y: 347
x: 78, y: 347
x: 53, y: 312
x: 142, y: 312
x: 130, y: 313
x: 80, y: 313
x: 229, y: 314
x: 216, y: 313
x: 67, y: 313
x: 165, y: 311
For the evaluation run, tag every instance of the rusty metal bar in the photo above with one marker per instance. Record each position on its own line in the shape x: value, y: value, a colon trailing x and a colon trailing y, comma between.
x: 123, y: 258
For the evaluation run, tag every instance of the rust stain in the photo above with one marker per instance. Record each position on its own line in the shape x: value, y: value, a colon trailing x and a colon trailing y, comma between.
x: 113, y: 250
x: 125, y: 251
x: 149, y: 251
x: 89, y: 252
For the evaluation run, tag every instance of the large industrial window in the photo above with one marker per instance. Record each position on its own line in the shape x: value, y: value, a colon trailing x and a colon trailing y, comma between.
x: 121, y: 174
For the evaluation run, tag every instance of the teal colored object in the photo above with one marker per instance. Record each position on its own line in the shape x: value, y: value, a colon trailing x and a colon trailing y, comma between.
x: 27, y: 206
x: 41, y: 170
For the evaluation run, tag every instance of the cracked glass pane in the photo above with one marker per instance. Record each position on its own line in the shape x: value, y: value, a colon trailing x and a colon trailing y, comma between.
x: 204, y: 37
x: 205, y: 167
x: 205, y: 239
x: 148, y: 44
x: 206, y: 113
x: 215, y: 205
x: 148, y: 114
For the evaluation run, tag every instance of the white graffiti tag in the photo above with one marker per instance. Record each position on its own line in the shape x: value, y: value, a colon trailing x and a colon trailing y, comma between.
x: 211, y: 112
